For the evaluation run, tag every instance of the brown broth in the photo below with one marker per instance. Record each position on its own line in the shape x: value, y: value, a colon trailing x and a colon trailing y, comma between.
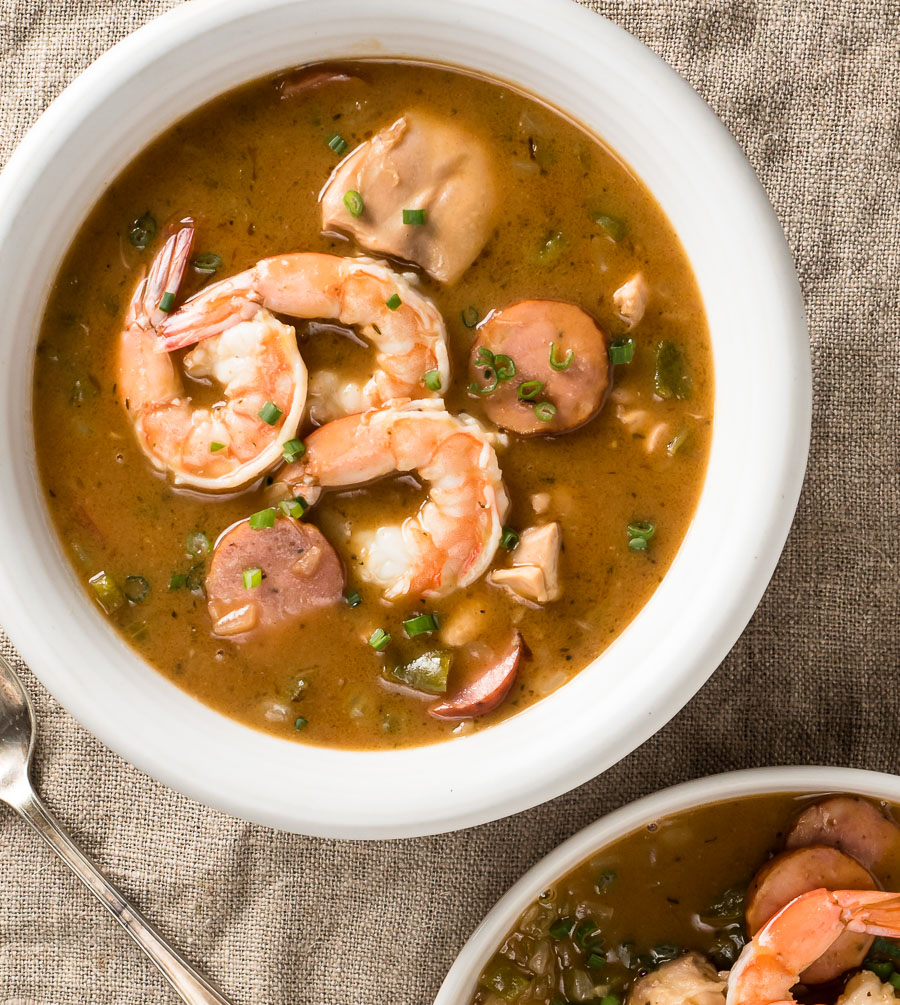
x: 248, y: 167
x: 674, y: 885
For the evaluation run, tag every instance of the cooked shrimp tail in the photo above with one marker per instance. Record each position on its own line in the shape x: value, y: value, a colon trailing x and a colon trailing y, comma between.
x: 257, y: 363
x: 164, y: 278
x: 771, y: 963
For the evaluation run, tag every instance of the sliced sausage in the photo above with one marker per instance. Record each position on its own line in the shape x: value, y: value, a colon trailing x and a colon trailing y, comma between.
x: 427, y: 165
x: 300, y: 573
x: 798, y: 871
x: 528, y: 333
x: 305, y: 80
x: 850, y: 823
x: 486, y: 690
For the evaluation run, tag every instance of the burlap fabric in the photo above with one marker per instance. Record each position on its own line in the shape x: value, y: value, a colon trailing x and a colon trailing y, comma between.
x: 809, y: 88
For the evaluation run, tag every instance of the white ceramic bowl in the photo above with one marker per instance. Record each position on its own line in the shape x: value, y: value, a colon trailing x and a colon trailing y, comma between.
x: 462, y: 978
x: 585, y: 65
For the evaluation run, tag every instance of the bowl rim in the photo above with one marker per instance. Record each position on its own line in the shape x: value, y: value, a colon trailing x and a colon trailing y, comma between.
x: 423, y: 790
x: 460, y: 982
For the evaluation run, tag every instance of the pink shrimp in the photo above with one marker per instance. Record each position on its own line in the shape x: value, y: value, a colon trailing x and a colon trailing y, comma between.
x: 451, y: 541
x: 771, y: 963
x: 406, y: 329
x: 256, y: 362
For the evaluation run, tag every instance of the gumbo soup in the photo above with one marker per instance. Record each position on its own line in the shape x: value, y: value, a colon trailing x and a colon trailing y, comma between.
x: 685, y: 911
x: 386, y: 396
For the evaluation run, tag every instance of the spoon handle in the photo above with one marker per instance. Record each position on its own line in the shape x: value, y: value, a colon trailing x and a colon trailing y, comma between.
x: 194, y: 989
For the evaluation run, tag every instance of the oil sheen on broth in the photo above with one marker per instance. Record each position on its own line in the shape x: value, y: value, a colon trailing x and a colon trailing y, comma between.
x: 692, y: 884
x: 570, y: 223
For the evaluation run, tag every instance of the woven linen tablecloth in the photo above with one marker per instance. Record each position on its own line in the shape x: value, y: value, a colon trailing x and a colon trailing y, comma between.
x: 809, y: 88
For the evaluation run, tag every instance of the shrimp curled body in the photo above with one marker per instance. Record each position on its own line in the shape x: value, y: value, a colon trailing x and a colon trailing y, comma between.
x: 257, y: 363
x: 405, y: 328
x: 452, y: 539
x: 790, y: 941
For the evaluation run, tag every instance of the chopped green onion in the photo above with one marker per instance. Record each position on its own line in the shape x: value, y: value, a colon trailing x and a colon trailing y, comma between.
x: 883, y: 971
x: 610, y: 1000
x: 470, y: 316
x: 427, y: 672
x: 562, y: 927
x: 143, y: 230
x: 504, y: 366
x: 595, y: 961
x: 292, y: 449
x: 432, y: 380
x: 642, y: 528
x: 166, y: 301
x: 563, y: 364
x: 553, y: 246
x: 136, y: 588
x: 585, y: 932
x: 484, y: 356
x: 421, y: 624
x: 670, y: 378
x: 886, y: 948
x: 621, y: 351
x: 251, y: 578
x: 194, y: 579
x: 337, y: 143
x: 354, y: 203
x: 509, y: 538
x: 270, y: 413
x: 300, y: 723
x: 393, y: 302
x: 639, y: 535
x: 530, y: 389
x: 207, y: 264
x: 215, y: 446
x: 379, y: 639
x: 504, y: 979
x: 544, y: 411
x: 614, y: 227
x: 196, y: 543
x: 895, y: 980
x: 490, y: 375
x: 414, y: 217
x: 107, y: 592
x: 353, y: 599
x: 677, y: 442
x: 178, y: 581
x: 263, y: 518
x: 294, y: 507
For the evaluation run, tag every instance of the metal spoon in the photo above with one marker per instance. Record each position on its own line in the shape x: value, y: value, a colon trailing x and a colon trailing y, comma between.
x: 16, y: 745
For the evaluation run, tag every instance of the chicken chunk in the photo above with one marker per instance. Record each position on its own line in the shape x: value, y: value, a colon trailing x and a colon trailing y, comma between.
x: 420, y: 162
x: 630, y: 299
x: 865, y: 988
x: 534, y: 574
x: 689, y: 980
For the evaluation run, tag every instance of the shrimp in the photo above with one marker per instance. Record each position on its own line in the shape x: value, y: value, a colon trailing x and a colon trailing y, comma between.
x: 771, y: 963
x: 452, y: 539
x: 257, y: 362
x: 406, y: 329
